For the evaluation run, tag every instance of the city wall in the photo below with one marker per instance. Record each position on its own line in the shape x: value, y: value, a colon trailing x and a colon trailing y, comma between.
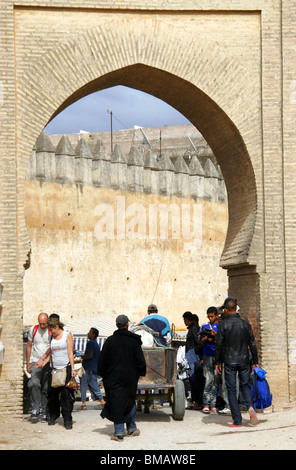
x: 162, y: 242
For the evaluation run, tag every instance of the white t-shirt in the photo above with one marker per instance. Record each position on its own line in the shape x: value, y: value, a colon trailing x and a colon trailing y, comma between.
x: 59, y: 351
x: 40, y: 343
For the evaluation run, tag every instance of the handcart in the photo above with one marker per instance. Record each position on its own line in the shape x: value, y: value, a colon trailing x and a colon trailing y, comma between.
x: 161, y: 375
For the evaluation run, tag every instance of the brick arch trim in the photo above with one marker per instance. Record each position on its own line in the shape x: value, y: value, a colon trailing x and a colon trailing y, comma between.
x: 181, y: 71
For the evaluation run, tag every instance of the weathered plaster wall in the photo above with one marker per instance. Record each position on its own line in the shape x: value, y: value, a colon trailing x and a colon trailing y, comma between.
x: 75, y: 274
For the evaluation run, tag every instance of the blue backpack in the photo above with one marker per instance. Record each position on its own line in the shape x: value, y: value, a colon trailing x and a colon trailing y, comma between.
x: 261, y: 395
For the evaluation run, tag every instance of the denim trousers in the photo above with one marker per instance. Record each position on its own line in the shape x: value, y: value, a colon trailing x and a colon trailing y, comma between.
x: 243, y: 371
x: 130, y: 423
x: 211, y: 381
x: 90, y: 380
x: 224, y: 388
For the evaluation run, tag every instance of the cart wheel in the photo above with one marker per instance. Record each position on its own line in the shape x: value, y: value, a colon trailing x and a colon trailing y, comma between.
x: 178, y: 404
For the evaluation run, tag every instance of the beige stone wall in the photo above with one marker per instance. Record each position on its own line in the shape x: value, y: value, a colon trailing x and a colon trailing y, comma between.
x: 75, y: 274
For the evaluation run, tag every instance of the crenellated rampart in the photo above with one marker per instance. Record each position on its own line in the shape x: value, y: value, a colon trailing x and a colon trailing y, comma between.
x: 141, y: 170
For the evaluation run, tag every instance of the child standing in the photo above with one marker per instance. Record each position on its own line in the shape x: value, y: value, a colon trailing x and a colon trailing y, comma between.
x: 209, y: 370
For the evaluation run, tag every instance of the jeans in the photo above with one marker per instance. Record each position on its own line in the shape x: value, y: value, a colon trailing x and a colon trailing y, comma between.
x: 211, y: 381
x: 38, y: 385
x: 130, y: 423
x: 243, y: 371
x: 90, y: 380
x: 224, y: 388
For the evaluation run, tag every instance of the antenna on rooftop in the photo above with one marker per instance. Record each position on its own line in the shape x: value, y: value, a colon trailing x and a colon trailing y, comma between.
x: 111, y: 114
x: 192, y: 146
x: 145, y: 138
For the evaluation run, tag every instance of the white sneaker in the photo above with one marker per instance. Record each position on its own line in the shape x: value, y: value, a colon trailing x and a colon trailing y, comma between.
x: 225, y: 411
x: 34, y: 414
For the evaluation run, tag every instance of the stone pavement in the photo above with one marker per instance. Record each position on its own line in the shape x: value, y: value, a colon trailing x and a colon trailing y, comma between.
x: 276, y: 431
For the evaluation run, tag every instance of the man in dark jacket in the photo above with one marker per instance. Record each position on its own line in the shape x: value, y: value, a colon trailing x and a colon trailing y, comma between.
x: 234, y: 340
x: 121, y: 363
x: 192, y: 341
x: 90, y: 365
x: 193, y: 352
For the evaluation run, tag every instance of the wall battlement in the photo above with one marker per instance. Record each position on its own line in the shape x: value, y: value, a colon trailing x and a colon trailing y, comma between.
x: 89, y: 163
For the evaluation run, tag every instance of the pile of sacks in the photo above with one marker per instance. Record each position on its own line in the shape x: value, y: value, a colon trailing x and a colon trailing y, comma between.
x: 148, y: 336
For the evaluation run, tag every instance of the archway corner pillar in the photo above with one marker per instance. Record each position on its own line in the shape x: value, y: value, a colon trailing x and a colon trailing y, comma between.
x: 244, y: 285
x: 267, y: 316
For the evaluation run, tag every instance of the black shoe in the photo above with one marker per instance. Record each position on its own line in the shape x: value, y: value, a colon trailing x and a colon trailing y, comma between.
x: 44, y: 418
x: 68, y: 425
x: 135, y: 432
x: 51, y: 421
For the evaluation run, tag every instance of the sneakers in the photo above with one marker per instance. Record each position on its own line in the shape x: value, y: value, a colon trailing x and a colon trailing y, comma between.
x: 114, y: 437
x: 136, y: 432
x: 225, y: 411
x: 34, y: 414
x: 189, y: 398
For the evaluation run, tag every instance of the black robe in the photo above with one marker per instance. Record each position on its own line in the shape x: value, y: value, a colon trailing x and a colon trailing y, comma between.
x: 121, y: 363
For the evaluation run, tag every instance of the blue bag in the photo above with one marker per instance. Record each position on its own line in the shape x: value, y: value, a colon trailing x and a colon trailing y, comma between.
x: 261, y: 395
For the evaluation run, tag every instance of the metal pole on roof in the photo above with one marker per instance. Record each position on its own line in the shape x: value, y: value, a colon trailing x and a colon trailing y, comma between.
x: 110, y: 112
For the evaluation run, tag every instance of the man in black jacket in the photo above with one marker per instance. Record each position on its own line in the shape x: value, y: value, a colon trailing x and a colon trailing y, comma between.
x: 121, y: 363
x: 193, y: 347
x: 234, y: 340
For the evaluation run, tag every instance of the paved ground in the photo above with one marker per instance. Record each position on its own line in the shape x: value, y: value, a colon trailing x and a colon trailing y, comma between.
x: 276, y: 431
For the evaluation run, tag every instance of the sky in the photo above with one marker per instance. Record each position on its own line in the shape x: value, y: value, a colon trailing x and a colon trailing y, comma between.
x: 129, y: 107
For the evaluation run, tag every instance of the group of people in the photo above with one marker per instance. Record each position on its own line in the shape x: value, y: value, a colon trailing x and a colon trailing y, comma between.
x: 218, y: 348
x: 50, y: 348
x: 219, y: 356
x: 50, y: 352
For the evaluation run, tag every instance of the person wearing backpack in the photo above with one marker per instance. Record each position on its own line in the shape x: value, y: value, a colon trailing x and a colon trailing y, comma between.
x: 235, y: 339
x: 38, y: 344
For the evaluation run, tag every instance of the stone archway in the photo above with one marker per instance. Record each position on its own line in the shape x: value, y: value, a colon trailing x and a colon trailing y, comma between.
x: 240, y: 59
x: 224, y: 139
x: 214, y: 90
x: 220, y: 108
x: 79, y: 67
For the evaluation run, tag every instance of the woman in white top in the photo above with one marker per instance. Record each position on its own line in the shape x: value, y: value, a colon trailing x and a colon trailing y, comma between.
x: 61, y: 355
